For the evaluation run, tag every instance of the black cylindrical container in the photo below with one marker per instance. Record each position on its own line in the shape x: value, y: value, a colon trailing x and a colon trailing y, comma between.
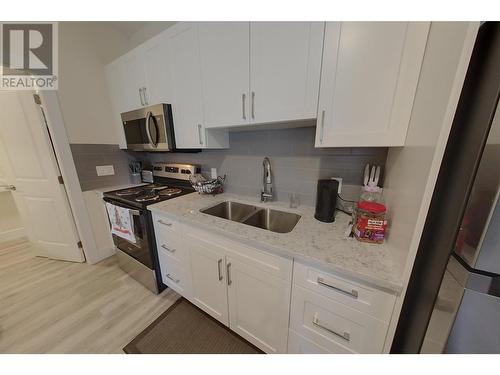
x: 326, y: 200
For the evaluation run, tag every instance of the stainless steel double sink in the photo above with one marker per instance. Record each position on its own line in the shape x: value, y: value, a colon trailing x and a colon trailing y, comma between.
x: 264, y: 218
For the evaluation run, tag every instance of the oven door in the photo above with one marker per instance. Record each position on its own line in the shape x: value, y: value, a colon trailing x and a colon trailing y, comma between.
x: 149, y: 129
x: 140, y: 250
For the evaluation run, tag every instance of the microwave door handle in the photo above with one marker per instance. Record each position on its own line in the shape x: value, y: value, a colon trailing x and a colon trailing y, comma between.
x: 148, y: 119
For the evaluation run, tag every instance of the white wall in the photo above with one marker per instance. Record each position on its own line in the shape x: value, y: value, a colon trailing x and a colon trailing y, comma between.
x: 84, y: 49
x: 412, y: 170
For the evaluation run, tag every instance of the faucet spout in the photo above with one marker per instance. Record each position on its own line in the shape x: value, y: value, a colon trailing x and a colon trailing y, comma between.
x: 267, y: 181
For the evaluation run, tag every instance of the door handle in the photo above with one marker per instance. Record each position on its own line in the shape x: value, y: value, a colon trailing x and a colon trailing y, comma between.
x: 168, y: 249
x: 145, y: 93
x: 253, y: 105
x: 345, y: 335
x: 322, y: 126
x: 140, y: 97
x: 164, y: 223
x: 351, y: 293
x: 219, y: 264
x: 228, y: 268
x: 172, y: 278
x: 8, y: 187
x: 243, y: 104
x: 199, y: 134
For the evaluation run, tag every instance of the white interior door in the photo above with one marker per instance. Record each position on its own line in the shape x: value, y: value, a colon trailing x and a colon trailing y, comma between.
x: 32, y: 168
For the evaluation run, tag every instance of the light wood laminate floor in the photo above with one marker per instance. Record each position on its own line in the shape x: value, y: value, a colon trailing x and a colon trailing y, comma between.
x: 49, y: 306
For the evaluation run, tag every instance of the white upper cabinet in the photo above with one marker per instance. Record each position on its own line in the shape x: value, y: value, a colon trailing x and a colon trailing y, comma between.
x: 225, y: 61
x: 186, y: 73
x: 285, y: 64
x: 369, y: 77
x: 133, y: 77
x: 158, y: 69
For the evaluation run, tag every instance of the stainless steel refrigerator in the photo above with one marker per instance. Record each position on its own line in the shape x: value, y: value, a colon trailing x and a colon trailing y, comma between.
x: 452, y: 304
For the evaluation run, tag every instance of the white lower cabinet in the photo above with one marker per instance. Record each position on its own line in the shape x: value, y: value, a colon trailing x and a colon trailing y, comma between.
x: 298, y: 344
x: 208, y: 278
x: 255, y: 293
x: 258, y: 305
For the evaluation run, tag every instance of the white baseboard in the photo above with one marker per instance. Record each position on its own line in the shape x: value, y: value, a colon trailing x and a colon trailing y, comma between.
x: 12, y: 234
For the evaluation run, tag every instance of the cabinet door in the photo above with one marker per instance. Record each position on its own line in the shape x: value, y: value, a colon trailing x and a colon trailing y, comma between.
x: 209, y: 291
x: 133, y: 77
x: 225, y: 60
x: 186, y: 73
x: 118, y: 101
x: 158, y: 67
x: 285, y: 64
x: 369, y: 77
x: 258, y: 305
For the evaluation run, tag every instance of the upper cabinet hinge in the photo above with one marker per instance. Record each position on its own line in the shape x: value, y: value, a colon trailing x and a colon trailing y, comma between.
x: 37, y: 99
x: 60, y: 179
x: 79, y: 244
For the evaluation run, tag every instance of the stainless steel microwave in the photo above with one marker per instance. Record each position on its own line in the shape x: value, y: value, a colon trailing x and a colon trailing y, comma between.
x: 149, y: 128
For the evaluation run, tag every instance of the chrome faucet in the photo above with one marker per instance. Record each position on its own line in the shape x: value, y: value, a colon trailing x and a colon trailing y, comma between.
x: 267, y: 182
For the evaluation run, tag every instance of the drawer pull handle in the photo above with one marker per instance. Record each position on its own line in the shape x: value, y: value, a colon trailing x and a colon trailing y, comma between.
x: 346, y: 335
x: 219, y: 264
x: 168, y: 249
x: 165, y: 223
x: 172, y: 278
x: 353, y: 293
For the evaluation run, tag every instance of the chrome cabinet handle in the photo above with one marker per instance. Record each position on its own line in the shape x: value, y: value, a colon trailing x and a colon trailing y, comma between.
x: 352, y: 293
x: 8, y: 187
x: 172, y: 278
x: 164, y: 223
x: 168, y: 249
x: 199, y: 134
x: 140, y: 97
x: 228, y: 267
x: 243, y: 104
x: 219, y: 264
x: 322, y: 126
x: 346, y: 335
x: 145, y: 93
x: 253, y: 105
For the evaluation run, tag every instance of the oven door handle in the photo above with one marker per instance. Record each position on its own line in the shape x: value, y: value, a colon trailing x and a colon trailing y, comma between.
x: 131, y: 210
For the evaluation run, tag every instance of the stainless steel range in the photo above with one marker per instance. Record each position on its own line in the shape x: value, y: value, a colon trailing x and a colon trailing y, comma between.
x: 132, y: 225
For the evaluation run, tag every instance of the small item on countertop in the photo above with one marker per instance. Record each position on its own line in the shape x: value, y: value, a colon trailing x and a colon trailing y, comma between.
x: 370, y: 223
x: 202, y: 185
x: 326, y: 200
x: 294, y: 200
x: 135, y: 172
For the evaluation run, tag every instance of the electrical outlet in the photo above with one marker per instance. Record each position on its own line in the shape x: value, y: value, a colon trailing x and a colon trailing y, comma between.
x: 105, y: 170
x: 339, y: 179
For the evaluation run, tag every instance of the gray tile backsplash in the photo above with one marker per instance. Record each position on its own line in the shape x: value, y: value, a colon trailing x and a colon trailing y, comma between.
x: 88, y: 156
x: 296, y: 164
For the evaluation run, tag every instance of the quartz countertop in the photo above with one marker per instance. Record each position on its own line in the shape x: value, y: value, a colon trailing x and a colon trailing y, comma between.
x: 323, y: 245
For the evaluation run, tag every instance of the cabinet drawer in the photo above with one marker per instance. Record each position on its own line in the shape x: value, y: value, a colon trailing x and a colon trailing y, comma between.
x: 174, y: 275
x: 298, y: 344
x: 172, y: 245
x: 362, y: 298
x: 333, y: 325
x: 165, y: 225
